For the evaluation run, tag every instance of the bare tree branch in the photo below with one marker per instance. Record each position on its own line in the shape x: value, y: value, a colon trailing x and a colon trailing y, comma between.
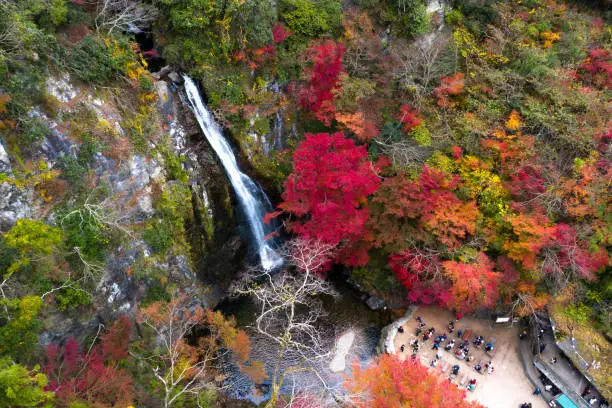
x: 289, y: 311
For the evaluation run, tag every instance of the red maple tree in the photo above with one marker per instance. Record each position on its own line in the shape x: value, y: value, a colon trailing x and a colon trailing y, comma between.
x: 92, y: 376
x: 420, y: 272
x: 409, y: 117
x: 328, y: 188
x: 280, y: 33
x: 393, y: 383
x: 322, y: 79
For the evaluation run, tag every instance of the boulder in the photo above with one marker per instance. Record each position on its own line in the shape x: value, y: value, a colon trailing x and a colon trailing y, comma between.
x: 375, y: 303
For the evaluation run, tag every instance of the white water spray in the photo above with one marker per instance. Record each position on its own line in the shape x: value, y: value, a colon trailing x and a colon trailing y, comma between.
x: 245, y: 188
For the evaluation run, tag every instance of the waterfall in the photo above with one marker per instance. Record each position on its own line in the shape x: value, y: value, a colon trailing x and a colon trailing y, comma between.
x: 245, y: 188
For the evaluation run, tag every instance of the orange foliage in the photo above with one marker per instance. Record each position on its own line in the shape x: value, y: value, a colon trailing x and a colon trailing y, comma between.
x: 406, y: 384
x: 450, y: 86
x: 474, y: 285
x: 356, y: 123
x: 410, y: 118
x: 531, y: 234
x: 430, y: 201
x: 5, y: 123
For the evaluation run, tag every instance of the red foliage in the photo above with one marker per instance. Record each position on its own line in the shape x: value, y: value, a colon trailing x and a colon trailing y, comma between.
x: 596, y: 69
x: 270, y: 216
x: 280, y: 33
x: 420, y: 274
x: 449, y: 86
x: 322, y: 79
x: 527, y: 182
x: 114, y: 343
x: 604, y: 141
x: 505, y: 265
x: 409, y: 117
x: 573, y: 255
x: 474, y: 285
x: 457, y: 152
x: 95, y: 377
x: 331, y: 181
x: 393, y: 383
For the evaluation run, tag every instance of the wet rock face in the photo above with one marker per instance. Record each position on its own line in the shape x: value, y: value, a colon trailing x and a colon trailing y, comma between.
x: 13, y: 202
x: 221, y: 247
x: 130, y: 181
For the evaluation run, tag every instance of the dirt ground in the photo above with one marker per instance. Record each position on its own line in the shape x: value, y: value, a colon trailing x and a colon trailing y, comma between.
x: 506, y: 387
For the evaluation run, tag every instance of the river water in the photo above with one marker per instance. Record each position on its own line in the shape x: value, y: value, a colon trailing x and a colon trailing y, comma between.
x: 347, y: 312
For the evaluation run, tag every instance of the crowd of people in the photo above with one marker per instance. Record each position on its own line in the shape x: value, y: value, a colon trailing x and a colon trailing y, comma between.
x: 459, y: 345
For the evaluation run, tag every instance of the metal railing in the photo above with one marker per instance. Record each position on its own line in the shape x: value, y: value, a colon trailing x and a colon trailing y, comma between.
x: 560, y: 383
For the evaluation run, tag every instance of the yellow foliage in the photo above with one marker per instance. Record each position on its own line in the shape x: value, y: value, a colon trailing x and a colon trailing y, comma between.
x: 468, y: 47
x: 514, y: 121
x: 548, y: 38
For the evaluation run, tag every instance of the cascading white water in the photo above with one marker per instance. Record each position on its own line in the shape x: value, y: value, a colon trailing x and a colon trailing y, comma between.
x: 245, y: 188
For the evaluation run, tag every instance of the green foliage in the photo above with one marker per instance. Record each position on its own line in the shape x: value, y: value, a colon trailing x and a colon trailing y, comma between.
x: 168, y: 231
x: 478, y: 17
x: 34, y: 237
x: 174, y: 164
x: 578, y: 313
x: 145, y: 83
x: 34, y: 130
x: 98, y: 61
x: 8, y: 255
x: 207, y: 32
x: 58, y: 11
x: 73, y: 170
x: 225, y: 86
x: 391, y: 132
x: 84, y: 231
x: 532, y: 62
x: 90, y: 61
x: 156, y: 292
x: 19, y: 335
x: 70, y: 298
x: 409, y: 16
x: 309, y: 18
x: 20, y: 387
x: 454, y: 17
x: 158, y: 236
x: 352, y: 91
x: 421, y: 135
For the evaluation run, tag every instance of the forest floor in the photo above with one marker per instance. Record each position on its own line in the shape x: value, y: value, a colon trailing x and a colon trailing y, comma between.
x: 506, y: 387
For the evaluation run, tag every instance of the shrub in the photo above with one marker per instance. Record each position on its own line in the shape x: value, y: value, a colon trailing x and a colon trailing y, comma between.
x: 145, y: 83
x: 34, y: 130
x: 421, y: 135
x: 72, y: 170
x: 92, y: 61
x: 18, y: 336
x: 20, y: 387
x: 409, y: 16
x: 308, y: 18
x: 454, y: 17
x: 158, y: 236
x: 69, y: 298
